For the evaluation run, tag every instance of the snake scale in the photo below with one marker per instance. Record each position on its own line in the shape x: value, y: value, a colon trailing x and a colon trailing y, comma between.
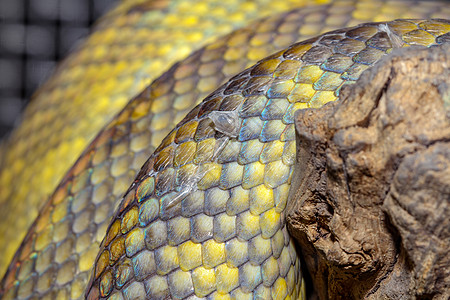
x: 204, y: 217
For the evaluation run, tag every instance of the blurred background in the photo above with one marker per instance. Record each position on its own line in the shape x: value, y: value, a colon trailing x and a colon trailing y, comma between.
x: 34, y: 36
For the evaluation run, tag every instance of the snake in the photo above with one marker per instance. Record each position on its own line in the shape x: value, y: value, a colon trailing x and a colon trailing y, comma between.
x: 213, y: 148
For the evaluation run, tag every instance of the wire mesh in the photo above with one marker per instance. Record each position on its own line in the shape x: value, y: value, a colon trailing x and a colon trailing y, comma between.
x: 34, y: 36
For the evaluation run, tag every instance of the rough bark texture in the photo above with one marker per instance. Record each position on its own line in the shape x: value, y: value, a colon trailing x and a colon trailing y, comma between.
x: 370, y: 202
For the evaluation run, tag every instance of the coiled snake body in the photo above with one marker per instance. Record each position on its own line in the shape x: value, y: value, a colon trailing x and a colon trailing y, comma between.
x: 204, y: 218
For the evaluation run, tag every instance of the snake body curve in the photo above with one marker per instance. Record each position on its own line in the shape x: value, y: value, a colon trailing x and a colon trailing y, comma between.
x: 177, y: 236
x: 130, y: 46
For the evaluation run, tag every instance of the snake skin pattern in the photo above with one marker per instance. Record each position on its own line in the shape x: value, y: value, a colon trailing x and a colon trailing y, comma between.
x: 57, y: 255
x: 114, y: 64
x: 204, y: 216
x: 131, y: 45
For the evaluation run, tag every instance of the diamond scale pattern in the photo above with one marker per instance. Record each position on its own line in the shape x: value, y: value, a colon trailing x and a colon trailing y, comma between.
x: 262, y: 264
x: 150, y: 222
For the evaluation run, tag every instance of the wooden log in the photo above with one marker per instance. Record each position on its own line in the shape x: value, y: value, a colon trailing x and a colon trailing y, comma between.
x: 370, y: 196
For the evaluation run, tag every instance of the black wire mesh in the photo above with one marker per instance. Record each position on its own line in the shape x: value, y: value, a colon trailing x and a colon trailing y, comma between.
x: 34, y: 36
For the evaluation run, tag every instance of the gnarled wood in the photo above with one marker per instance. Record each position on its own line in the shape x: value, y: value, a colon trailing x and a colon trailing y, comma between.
x: 370, y: 201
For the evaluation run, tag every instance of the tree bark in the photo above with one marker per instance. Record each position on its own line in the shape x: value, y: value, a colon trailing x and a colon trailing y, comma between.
x: 370, y: 196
